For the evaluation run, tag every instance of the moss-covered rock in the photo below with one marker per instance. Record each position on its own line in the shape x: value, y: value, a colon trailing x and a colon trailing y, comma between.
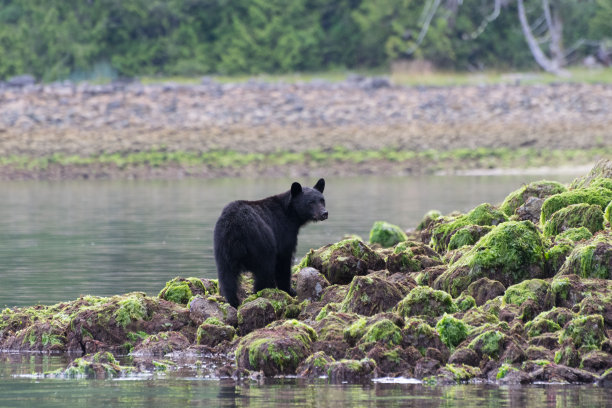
x: 202, y: 308
x: 342, y: 261
x: 160, y: 344
x: 595, y: 196
x: 485, y: 289
x: 101, y: 365
x: 310, y: 284
x: 180, y: 290
x: 315, y: 365
x: 601, y: 170
x: 467, y: 235
x: 429, y: 217
x: 575, y: 216
x: 537, y: 291
x: 213, y: 332
x: 425, y: 301
x: 332, y: 326
x: 608, y: 214
x: 540, y: 189
x: 351, y: 371
x: 419, y: 334
x: 596, y: 361
x: 276, y: 349
x: 386, y: 234
x: 383, y: 331
x: 465, y: 302
x: 455, y: 374
x: 584, y: 332
x: 444, y: 229
x: 489, y: 343
x: 590, y: 259
x: 510, y: 253
x: 452, y: 331
x: 403, y: 259
x: 255, y: 314
x: 369, y: 295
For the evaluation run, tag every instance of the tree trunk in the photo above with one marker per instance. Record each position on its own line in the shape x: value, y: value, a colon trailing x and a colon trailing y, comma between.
x: 553, y: 64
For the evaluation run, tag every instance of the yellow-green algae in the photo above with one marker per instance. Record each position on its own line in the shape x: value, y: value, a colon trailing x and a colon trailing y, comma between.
x: 386, y: 234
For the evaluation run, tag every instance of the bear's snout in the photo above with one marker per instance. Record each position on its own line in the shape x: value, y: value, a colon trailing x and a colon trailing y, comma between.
x: 323, y: 215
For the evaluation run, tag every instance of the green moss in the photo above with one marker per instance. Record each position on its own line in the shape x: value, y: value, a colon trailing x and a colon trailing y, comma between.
x: 504, y: 370
x: 560, y: 287
x: 177, y: 290
x: 596, y: 195
x: 465, y: 302
x: 536, y: 290
x: 508, y: 254
x: 383, y: 331
x: 425, y: 301
x: 590, y: 259
x: 585, y: 332
x: 575, y: 234
x: 539, y: 326
x: 575, y: 216
x: 131, y: 308
x: 355, y: 331
x: 452, y: 331
x: 278, y: 298
x: 468, y: 235
x: 608, y: 214
x: 428, y: 218
x: 386, y: 234
x: 489, y: 343
x: 540, y: 189
x: 484, y: 214
x: 328, y: 308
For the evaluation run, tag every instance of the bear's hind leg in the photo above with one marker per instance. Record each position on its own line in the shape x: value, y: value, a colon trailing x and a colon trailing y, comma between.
x: 228, y: 283
x: 282, y: 275
x: 264, y: 276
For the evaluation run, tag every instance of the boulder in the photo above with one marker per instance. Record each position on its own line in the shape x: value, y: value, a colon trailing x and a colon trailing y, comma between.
x: 310, y: 284
x: 369, y: 295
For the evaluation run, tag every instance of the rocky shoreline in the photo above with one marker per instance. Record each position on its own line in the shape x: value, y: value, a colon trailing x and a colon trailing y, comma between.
x: 359, y: 114
x: 514, y: 294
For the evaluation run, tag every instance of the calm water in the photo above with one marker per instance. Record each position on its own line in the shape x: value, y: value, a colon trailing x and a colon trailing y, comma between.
x: 61, y: 240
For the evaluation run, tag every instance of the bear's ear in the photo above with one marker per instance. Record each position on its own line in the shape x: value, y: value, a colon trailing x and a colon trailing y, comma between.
x: 320, y: 185
x: 296, y: 189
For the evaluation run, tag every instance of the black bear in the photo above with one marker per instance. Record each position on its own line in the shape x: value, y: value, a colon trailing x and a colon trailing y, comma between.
x: 261, y: 236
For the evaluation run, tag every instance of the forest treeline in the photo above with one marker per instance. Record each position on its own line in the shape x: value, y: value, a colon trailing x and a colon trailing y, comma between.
x: 79, y: 39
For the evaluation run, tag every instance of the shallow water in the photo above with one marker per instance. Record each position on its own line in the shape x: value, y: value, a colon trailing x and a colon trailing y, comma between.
x: 61, y: 240
x: 65, y: 239
x: 19, y: 388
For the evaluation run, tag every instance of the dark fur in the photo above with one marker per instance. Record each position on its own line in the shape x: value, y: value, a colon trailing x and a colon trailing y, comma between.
x: 261, y: 236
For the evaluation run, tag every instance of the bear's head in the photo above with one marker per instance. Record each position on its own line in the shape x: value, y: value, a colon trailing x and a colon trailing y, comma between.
x: 309, y: 203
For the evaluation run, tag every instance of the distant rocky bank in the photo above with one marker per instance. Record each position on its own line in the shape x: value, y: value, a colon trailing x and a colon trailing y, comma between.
x: 42, y: 120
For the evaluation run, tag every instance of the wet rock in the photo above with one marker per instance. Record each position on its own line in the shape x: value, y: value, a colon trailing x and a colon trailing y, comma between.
x: 511, y: 252
x: 426, y: 367
x: 334, y: 294
x: 342, y: 261
x: 596, y: 361
x: 277, y: 349
x: 556, y: 373
x: 575, y: 216
x: 386, y: 234
x: 467, y: 236
x: 489, y: 344
x: 213, y: 332
x: 402, y: 259
x: 417, y: 333
x: 549, y: 341
x: 369, y: 295
x: 601, y: 170
x: 201, y: 309
x: 465, y: 356
x: 255, y: 314
x: 485, y: 289
x: 351, y: 371
x: 530, y: 211
x: 161, y: 344
x: 310, y: 284
x: 392, y: 361
x: 534, y: 192
x: 456, y: 374
x: 21, y: 81
x: 93, y: 366
x: 452, y: 331
x: 315, y: 365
